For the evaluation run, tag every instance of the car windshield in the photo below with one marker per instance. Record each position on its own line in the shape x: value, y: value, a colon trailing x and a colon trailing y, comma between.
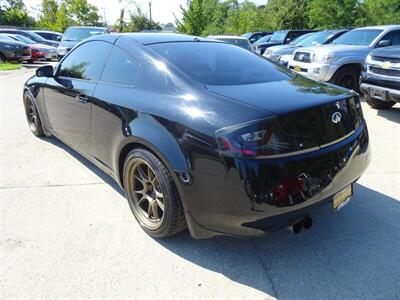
x: 315, y: 39
x: 35, y: 37
x: 218, y: 64
x: 5, y: 38
x: 237, y: 42
x: 23, y: 39
x: 264, y: 39
x: 297, y: 40
x: 278, y: 36
x: 79, y: 34
x: 359, y: 37
x: 247, y: 35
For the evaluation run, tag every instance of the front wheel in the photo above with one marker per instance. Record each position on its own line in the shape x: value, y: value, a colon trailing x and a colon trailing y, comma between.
x: 348, y: 77
x: 152, y: 194
x: 378, y: 104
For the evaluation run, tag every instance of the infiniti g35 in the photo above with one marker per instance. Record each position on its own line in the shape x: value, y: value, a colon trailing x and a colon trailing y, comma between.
x: 203, y: 134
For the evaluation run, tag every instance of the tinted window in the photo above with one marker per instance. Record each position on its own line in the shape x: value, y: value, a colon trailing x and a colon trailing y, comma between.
x: 294, y: 34
x: 278, y: 36
x: 315, y: 39
x: 264, y: 39
x: 362, y: 37
x: 237, y: 42
x: 120, y: 68
x: 393, y: 37
x: 218, y: 64
x: 86, y: 61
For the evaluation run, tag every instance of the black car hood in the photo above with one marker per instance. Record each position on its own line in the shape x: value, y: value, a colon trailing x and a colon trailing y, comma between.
x: 280, y: 97
x: 393, y: 51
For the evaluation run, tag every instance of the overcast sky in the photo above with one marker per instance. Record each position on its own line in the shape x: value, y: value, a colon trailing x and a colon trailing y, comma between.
x: 162, y: 10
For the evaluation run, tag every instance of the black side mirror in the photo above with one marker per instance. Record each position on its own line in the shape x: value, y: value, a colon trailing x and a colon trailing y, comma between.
x: 45, y: 71
x: 252, y: 40
x: 384, y: 43
x: 59, y: 38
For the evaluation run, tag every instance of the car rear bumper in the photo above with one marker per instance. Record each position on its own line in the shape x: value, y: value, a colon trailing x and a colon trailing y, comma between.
x: 381, y: 88
x: 258, y: 196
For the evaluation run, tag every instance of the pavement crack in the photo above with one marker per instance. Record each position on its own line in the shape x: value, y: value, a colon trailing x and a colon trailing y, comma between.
x: 265, y: 268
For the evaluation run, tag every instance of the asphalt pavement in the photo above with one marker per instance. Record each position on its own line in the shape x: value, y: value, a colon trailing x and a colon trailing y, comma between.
x: 66, y: 231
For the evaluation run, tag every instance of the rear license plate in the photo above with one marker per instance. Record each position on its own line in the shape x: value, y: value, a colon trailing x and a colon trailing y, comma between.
x: 297, y: 68
x: 342, y: 197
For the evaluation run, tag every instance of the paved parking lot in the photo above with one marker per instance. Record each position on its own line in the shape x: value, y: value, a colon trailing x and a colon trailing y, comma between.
x: 66, y: 231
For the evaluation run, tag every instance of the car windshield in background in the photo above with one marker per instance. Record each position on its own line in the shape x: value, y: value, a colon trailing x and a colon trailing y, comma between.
x: 297, y: 40
x: 247, y: 35
x: 278, y: 36
x: 5, y: 38
x: 264, y: 39
x: 35, y: 37
x: 237, y: 42
x: 79, y: 34
x: 362, y: 37
x: 218, y: 63
x: 315, y: 39
x: 23, y: 39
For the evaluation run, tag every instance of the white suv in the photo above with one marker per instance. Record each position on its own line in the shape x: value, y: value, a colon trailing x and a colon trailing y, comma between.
x: 341, y: 62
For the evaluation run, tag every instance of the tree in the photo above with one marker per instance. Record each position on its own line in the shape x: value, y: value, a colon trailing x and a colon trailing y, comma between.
x: 287, y: 14
x: 196, y: 16
x: 13, y: 12
x: 379, y: 12
x: 49, y: 11
x: 325, y: 14
x: 83, y: 13
x: 139, y: 22
x: 62, y: 18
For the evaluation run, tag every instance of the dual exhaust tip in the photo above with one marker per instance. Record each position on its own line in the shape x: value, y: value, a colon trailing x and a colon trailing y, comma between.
x: 305, y: 223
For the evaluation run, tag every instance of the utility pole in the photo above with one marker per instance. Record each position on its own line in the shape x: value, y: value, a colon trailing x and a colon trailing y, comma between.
x: 104, y: 16
x: 150, y: 9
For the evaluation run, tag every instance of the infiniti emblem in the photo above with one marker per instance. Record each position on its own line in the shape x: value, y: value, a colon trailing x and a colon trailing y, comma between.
x: 336, y: 117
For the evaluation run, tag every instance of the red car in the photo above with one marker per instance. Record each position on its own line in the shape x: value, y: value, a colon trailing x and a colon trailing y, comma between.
x: 38, y: 51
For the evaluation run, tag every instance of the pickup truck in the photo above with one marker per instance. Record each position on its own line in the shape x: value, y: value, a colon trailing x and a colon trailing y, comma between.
x: 380, y: 79
x: 341, y: 61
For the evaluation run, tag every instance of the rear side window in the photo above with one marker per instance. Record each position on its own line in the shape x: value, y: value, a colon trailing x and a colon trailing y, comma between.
x: 218, y: 63
x: 85, y: 62
x: 120, y: 68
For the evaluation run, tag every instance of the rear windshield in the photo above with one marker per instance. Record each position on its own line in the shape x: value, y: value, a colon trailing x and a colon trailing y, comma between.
x: 79, y: 34
x: 361, y: 37
x: 218, y: 63
x: 315, y: 39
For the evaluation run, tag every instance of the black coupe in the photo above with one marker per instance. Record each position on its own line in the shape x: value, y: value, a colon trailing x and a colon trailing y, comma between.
x: 201, y: 133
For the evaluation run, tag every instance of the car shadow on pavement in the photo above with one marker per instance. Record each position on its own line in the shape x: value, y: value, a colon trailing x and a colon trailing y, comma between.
x: 354, y: 254
x: 103, y: 176
x: 391, y: 114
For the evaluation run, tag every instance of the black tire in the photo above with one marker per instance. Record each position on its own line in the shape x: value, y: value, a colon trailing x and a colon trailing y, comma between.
x: 2, y: 57
x: 172, y: 220
x: 348, y: 77
x: 32, y: 116
x: 378, y: 104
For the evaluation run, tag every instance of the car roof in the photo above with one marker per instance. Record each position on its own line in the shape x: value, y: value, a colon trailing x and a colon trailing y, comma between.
x: 46, y: 31
x: 233, y: 37
x: 85, y: 27
x: 382, y: 27
x: 155, y: 38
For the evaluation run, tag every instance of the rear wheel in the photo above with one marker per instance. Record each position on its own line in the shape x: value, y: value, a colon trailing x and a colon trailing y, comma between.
x: 378, y: 104
x: 32, y: 116
x: 348, y: 77
x: 152, y: 194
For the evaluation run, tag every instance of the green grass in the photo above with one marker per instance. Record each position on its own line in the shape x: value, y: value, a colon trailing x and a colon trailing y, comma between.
x: 8, y: 66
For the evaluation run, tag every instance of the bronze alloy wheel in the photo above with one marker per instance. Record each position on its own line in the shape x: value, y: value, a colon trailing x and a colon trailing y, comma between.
x: 32, y: 116
x: 146, y: 193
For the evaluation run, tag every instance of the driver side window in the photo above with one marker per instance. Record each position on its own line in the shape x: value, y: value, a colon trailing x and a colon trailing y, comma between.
x: 393, y: 37
x: 85, y: 62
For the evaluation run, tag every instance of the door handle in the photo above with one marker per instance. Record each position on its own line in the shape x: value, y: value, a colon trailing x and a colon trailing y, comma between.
x: 81, y: 98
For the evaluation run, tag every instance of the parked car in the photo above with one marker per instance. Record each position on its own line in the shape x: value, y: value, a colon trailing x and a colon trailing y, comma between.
x: 202, y: 134
x: 341, y: 61
x: 380, y: 80
x: 282, y: 54
x: 49, y: 35
x: 11, y: 50
x: 280, y: 38
x: 255, y: 36
x: 38, y: 51
x: 30, y: 35
x: 234, y: 40
x: 73, y: 35
x: 262, y: 40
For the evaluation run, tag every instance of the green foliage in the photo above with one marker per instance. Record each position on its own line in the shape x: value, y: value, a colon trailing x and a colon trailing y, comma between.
x: 333, y: 13
x: 377, y: 12
x: 287, y: 14
x: 13, y: 12
x: 9, y: 66
x: 49, y: 14
x: 83, y: 13
x: 62, y: 19
x: 139, y: 22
